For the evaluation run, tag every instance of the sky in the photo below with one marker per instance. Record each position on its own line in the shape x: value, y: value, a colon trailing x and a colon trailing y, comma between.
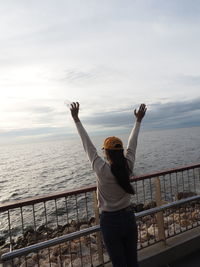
x: 109, y: 55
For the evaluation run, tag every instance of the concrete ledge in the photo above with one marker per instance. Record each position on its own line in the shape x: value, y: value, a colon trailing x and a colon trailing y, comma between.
x: 175, y: 248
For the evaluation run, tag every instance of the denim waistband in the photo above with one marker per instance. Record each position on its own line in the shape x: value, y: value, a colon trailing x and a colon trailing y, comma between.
x: 129, y: 208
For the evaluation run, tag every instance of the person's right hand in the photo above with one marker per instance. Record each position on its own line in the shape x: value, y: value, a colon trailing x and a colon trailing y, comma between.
x: 140, y: 113
x: 74, y: 111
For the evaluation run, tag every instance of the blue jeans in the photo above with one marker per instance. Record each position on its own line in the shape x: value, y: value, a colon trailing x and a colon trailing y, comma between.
x: 119, y: 232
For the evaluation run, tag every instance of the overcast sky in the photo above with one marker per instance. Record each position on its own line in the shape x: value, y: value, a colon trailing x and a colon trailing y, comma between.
x: 108, y: 55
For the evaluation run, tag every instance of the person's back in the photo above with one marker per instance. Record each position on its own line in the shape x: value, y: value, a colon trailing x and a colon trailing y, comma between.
x: 114, y: 190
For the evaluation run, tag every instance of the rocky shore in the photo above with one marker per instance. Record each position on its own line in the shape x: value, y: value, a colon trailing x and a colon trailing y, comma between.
x: 84, y: 250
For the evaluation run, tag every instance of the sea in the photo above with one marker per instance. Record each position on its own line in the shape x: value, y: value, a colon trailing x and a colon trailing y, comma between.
x: 35, y: 169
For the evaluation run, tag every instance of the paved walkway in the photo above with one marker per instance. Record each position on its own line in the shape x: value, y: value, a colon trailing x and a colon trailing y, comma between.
x: 192, y: 260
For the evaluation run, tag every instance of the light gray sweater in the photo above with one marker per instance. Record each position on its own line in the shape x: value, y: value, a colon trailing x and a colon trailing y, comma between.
x: 111, y: 197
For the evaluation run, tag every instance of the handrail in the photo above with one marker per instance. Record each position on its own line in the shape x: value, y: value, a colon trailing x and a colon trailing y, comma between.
x: 49, y: 243
x: 71, y: 236
x: 38, y: 199
x: 156, y: 174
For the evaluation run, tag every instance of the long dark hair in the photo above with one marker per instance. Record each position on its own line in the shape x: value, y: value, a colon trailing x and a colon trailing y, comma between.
x: 120, y: 169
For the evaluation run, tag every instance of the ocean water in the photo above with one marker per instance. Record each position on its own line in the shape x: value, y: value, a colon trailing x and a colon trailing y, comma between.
x: 28, y: 170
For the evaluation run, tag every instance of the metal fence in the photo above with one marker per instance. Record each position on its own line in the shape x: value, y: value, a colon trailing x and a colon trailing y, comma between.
x: 27, y: 222
x: 33, y: 254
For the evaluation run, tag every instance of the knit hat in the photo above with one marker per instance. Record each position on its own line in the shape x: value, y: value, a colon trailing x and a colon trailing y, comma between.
x: 113, y: 143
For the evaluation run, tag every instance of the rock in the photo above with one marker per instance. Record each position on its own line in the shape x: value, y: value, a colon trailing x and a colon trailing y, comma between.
x: 153, y: 220
x: 56, y: 251
x: 177, y: 227
x: 185, y: 223
x: 146, y: 221
x: 169, y: 220
x: 84, y: 261
x: 149, y: 205
x: 44, y: 254
x: 65, y: 231
x: 44, y: 229
x: 181, y: 195
x: 73, y: 223
x: 195, y: 216
x: 21, y: 241
x: 3, y: 251
x: 45, y: 263
x: 152, y: 230
x: 166, y: 225
x: 16, y: 262
x: 144, y: 236
x: 71, y: 229
x: 29, y: 230
x: 31, y: 238
x: 93, y: 239
x: 139, y: 207
x: 92, y: 221
x: 2, y: 240
x: 93, y: 248
x: 84, y: 226
x: 34, y: 257
x: 53, y: 259
x: 185, y: 216
x: 146, y: 218
x: 6, y: 245
x: 66, y: 261
x: 87, y: 240
x: 65, y: 248
x: 176, y: 218
x: 142, y: 226
x: 73, y: 247
x: 28, y: 263
x: 85, y: 250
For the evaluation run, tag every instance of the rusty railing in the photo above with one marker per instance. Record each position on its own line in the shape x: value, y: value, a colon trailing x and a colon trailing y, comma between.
x: 38, y: 219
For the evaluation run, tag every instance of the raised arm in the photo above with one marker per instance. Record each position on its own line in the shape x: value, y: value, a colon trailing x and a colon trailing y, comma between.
x: 96, y: 161
x: 132, y: 141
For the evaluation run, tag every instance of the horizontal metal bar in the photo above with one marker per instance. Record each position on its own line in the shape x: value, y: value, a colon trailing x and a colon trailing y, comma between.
x: 167, y: 206
x: 49, y: 243
x: 39, y: 199
x: 90, y: 230
x: 161, y: 173
x: 44, y: 198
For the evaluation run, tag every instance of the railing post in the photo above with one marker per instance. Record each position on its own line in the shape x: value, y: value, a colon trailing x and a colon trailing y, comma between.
x: 99, y: 240
x: 159, y: 215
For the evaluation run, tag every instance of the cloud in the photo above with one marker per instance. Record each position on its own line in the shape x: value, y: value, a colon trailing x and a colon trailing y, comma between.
x: 159, y: 116
x: 188, y: 80
x: 39, y: 109
x: 104, y: 54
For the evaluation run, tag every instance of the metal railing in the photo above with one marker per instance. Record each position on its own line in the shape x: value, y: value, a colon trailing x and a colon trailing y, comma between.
x: 167, y: 208
x: 36, y: 220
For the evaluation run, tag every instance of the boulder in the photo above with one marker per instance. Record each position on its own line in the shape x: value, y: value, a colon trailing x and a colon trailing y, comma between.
x: 152, y: 230
x: 28, y: 263
x: 92, y: 221
x: 44, y: 229
x: 139, y: 207
x: 3, y: 251
x: 29, y: 230
x: 185, y: 223
x: 181, y: 195
x: 84, y: 226
x: 195, y: 216
x: 149, y: 205
x: 2, y: 240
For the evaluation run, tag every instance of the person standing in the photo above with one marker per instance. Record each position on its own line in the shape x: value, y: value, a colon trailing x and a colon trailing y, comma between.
x: 114, y: 190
